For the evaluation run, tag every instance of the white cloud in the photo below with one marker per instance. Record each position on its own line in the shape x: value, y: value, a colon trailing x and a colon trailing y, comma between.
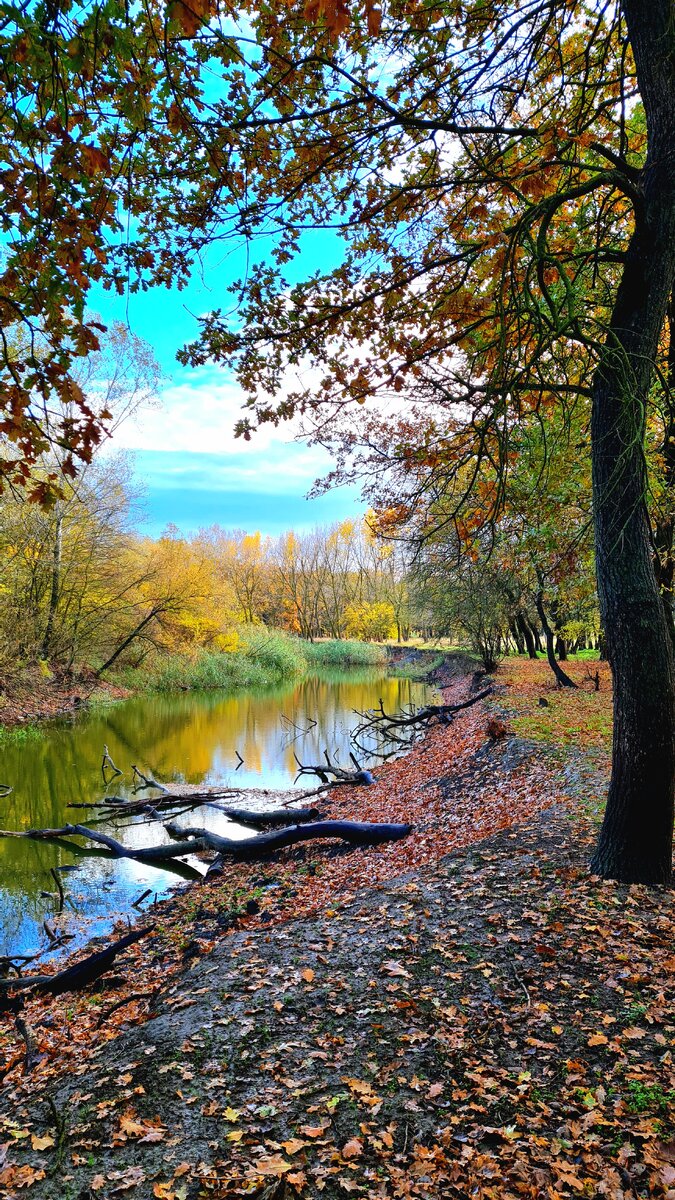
x: 197, y: 414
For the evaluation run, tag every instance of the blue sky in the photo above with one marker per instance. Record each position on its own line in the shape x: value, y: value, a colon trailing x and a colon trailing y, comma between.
x: 193, y: 470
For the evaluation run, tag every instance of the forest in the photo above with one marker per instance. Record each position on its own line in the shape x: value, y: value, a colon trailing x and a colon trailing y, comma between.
x: 422, y: 941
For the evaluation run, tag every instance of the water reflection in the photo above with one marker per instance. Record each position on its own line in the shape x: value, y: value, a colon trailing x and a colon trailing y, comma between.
x: 179, y: 737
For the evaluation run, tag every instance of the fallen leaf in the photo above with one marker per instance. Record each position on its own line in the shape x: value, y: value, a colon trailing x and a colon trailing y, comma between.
x: 41, y: 1143
x: 352, y: 1149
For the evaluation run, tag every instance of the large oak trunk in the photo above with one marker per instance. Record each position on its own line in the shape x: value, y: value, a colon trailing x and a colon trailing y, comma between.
x: 635, y: 843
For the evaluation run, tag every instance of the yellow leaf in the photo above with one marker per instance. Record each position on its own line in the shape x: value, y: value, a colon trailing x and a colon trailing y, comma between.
x: 307, y: 974
x: 235, y: 1135
x: 41, y: 1143
x: 231, y: 1114
x: 274, y: 1165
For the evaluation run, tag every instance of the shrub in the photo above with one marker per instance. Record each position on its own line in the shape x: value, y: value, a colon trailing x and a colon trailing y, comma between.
x: 344, y: 653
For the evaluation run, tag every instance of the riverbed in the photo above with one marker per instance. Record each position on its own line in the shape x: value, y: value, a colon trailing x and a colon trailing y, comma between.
x: 183, y: 737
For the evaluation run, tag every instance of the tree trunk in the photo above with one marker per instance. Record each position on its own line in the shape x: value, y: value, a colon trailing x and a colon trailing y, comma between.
x: 55, y: 586
x: 635, y: 844
x: 562, y: 679
x: 528, y: 636
x: 128, y: 640
x: 516, y: 634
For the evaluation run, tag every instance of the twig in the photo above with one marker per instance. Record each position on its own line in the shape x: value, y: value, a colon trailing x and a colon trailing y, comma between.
x: 522, y: 984
x: 107, y: 761
x: 121, y: 1003
x: 59, y: 886
x: 148, y: 781
x: 22, y: 1028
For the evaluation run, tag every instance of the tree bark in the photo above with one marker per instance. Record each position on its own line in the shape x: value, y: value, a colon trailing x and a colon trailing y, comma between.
x: 355, y: 833
x: 55, y: 586
x: 635, y: 843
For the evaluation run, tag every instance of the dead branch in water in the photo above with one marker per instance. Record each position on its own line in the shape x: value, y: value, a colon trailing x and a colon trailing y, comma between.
x: 145, y: 854
x: 107, y: 761
x: 387, y: 727
x: 340, y: 775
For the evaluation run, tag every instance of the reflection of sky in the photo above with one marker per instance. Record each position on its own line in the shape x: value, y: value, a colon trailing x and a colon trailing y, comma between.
x: 191, y: 737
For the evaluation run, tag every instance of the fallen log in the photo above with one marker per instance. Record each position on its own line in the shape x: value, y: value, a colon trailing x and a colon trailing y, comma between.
x: 81, y: 973
x: 355, y: 833
x: 340, y: 775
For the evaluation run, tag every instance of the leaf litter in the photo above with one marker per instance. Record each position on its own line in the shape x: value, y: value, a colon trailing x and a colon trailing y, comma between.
x: 463, y: 1014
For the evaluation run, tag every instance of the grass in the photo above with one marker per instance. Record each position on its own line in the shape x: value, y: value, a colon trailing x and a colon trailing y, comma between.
x: 264, y: 657
x: 567, y: 717
x: 338, y: 653
x: 417, y: 670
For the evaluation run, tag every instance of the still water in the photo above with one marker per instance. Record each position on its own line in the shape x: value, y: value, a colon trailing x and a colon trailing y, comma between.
x: 186, y: 737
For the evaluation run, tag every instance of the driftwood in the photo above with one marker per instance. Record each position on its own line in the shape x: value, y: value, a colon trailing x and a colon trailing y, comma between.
x: 388, y: 727
x: 340, y: 775
x: 355, y: 833
x: 146, y: 781
x: 81, y: 973
x: 107, y: 761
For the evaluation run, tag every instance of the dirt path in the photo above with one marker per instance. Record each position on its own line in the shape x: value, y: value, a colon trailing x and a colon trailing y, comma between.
x: 488, y: 1022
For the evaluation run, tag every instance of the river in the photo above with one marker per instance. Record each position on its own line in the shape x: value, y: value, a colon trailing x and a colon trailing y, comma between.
x: 186, y: 737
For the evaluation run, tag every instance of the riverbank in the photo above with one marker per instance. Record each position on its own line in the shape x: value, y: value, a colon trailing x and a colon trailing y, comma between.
x: 462, y: 1013
x: 262, y: 658
x: 36, y: 698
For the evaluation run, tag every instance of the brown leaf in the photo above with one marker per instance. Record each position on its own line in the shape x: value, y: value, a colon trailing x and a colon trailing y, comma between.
x: 353, y: 1148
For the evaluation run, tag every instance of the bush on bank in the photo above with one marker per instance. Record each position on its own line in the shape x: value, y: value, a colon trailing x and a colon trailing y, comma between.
x: 261, y: 656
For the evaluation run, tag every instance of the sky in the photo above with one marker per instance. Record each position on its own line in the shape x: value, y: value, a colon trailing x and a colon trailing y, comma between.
x: 193, y: 470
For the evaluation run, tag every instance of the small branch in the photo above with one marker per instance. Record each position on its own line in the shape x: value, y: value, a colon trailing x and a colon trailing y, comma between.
x: 55, y: 876
x: 358, y: 776
x: 107, y: 761
x: 22, y: 1028
x: 121, y: 1004
x: 148, y: 782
